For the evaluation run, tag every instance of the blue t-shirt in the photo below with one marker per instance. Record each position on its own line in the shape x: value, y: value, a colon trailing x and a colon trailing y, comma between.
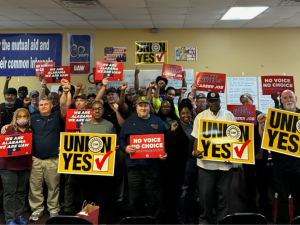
x: 135, y: 125
x: 46, y: 134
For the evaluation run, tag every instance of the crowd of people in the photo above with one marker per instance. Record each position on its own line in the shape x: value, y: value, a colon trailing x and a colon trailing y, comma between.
x: 170, y: 183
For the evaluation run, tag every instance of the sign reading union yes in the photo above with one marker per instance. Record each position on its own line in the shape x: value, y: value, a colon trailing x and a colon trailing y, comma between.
x: 282, y: 132
x: 92, y: 154
x: 226, y: 141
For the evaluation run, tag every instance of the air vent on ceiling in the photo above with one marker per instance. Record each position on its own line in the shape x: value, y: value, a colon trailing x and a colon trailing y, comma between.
x: 288, y: 2
x: 79, y: 3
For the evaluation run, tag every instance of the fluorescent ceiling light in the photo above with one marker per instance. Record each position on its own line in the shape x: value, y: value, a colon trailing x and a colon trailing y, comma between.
x: 243, y: 13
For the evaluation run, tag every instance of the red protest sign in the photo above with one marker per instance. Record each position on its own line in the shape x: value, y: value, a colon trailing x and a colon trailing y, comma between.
x: 172, y: 72
x: 39, y: 67
x: 211, y: 81
x: 76, y: 117
x: 243, y: 113
x: 111, y: 70
x: 15, y: 145
x: 147, y: 146
x: 276, y: 84
x: 56, y: 74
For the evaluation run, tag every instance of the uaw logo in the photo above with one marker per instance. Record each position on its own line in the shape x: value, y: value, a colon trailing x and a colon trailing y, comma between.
x: 95, y: 144
x: 298, y: 126
x: 78, y: 51
x: 233, y: 132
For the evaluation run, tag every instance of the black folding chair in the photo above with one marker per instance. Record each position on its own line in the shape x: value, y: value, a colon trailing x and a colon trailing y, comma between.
x: 244, y: 218
x: 138, y: 220
x: 68, y: 220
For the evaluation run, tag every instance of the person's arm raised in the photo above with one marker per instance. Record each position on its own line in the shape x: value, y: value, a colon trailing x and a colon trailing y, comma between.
x: 100, y: 94
x: 7, y: 79
x: 123, y: 105
x: 63, y: 99
x: 136, y: 78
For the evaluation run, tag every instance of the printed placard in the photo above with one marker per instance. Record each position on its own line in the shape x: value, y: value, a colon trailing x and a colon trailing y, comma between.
x: 226, y: 141
x: 15, y: 145
x: 186, y: 53
x: 211, y: 81
x: 276, y: 84
x: 147, y: 146
x: 282, y: 132
x: 39, y: 67
x: 92, y: 154
x: 76, y: 117
x: 243, y: 113
x: 56, y: 74
x: 172, y: 72
x: 151, y: 53
x: 111, y: 70
x: 115, y: 54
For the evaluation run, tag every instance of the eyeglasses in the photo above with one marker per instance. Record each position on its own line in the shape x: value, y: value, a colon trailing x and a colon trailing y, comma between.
x: 95, y: 109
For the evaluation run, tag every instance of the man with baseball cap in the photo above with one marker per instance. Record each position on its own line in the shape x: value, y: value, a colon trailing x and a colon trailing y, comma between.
x: 22, y: 91
x: 212, y: 175
x: 9, y: 106
x: 143, y: 174
x: 80, y: 101
x: 201, y: 103
x: 34, y: 99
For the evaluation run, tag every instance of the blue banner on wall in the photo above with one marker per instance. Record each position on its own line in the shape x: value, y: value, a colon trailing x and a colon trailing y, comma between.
x: 19, y: 52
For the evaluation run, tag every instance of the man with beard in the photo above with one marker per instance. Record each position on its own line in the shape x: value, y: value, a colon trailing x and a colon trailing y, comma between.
x: 54, y: 97
x: 286, y: 168
x: 22, y: 91
x: 9, y: 106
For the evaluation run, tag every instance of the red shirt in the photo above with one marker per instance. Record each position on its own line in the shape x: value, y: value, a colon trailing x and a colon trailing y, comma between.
x: 23, y: 162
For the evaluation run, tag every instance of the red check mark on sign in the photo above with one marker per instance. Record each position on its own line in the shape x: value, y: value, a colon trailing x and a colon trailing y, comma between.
x: 100, y: 163
x: 160, y: 57
x: 240, y: 152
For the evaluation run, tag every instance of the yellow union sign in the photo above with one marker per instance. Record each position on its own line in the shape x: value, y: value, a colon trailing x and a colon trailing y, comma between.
x: 282, y: 132
x: 92, y: 154
x: 226, y: 141
x: 151, y: 53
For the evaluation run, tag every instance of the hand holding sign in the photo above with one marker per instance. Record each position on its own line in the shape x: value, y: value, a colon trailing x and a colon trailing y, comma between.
x: 174, y: 126
x: 198, y: 154
x: 130, y: 149
x: 163, y: 158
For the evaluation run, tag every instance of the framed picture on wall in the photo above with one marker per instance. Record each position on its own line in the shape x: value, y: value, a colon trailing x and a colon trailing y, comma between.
x: 185, y: 53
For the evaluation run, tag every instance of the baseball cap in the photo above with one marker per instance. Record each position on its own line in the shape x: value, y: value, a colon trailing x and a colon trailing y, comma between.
x: 91, y: 95
x: 201, y: 95
x: 12, y: 91
x: 143, y: 99
x: 112, y: 89
x: 131, y: 91
x: 23, y: 88
x: 83, y: 96
x: 32, y: 93
x: 212, y: 95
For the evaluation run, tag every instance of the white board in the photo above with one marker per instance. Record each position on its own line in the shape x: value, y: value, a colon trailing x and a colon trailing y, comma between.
x: 236, y: 86
x: 265, y: 101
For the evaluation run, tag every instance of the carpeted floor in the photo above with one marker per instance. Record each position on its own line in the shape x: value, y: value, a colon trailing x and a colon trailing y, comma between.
x: 237, y: 205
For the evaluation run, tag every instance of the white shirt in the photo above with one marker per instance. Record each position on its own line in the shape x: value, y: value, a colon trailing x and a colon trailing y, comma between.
x: 223, y: 115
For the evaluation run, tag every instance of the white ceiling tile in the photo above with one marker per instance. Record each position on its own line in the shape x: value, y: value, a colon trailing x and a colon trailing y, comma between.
x: 205, y: 3
x: 38, y: 22
x: 4, y: 18
x: 80, y: 27
x: 197, y: 26
x: 157, y: 22
x: 129, y: 11
x: 200, y: 22
x: 62, y: 17
x: 50, y: 11
x: 227, y: 26
x: 110, y: 27
x: 169, y: 11
x: 248, y: 3
x: 133, y: 17
x: 295, y: 16
x: 123, y: 3
x: 98, y: 17
x: 290, y: 21
x: 72, y: 23
x: 35, y: 3
x: 262, y: 25
x: 167, y: 3
x: 168, y: 17
x: 204, y: 16
x: 208, y: 10
x: 139, y: 26
x: 7, y: 4
x: 170, y: 26
x: 266, y: 20
x: 283, y: 9
x: 15, y: 11
x: 49, y: 27
x: 273, y: 16
x: 231, y: 22
x: 278, y: 25
x: 105, y: 23
x: 11, y: 23
x: 18, y: 17
x: 125, y: 23
x: 19, y: 27
x: 93, y: 14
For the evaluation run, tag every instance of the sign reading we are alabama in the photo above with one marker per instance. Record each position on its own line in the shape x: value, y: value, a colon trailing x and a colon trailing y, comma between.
x: 151, y: 53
